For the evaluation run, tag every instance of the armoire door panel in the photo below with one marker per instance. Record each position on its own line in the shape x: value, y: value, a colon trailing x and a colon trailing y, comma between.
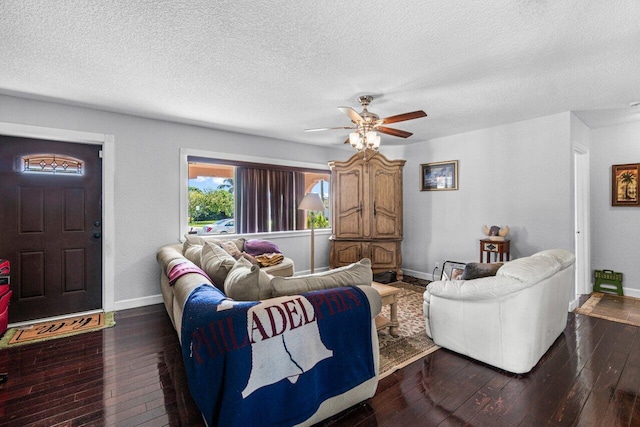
x: 348, y: 211
x: 386, y: 203
x: 345, y: 253
x: 384, y: 255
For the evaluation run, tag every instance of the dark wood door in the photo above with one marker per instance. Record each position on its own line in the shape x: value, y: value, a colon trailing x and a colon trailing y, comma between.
x: 51, y: 227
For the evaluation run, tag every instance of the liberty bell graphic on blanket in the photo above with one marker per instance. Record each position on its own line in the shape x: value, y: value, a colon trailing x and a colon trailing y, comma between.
x: 285, y: 341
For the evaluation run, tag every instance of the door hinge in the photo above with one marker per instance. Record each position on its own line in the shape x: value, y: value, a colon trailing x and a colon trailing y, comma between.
x: 100, y: 154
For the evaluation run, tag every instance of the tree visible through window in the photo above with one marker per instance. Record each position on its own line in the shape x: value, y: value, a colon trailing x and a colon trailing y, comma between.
x: 233, y: 197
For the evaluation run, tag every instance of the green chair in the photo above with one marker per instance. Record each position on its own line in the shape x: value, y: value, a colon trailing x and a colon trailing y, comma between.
x: 611, y: 280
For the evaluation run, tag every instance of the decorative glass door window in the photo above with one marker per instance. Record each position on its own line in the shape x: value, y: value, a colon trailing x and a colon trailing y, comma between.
x: 52, y: 163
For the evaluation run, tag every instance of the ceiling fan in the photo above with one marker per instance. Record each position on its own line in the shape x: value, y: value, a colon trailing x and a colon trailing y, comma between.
x: 367, y: 121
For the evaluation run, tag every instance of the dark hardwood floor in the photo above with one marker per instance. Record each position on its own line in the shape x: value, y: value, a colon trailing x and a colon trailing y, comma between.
x: 133, y: 375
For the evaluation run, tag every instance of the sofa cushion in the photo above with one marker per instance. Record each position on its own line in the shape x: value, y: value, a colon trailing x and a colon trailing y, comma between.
x: 216, y: 263
x: 201, y: 240
x: 246, y: 282
x: 192, y: 252
x: 486, y: 288
x: 283, y: 269
x: 257, y: 247
x: 476, y: 270
x: 531, y: 269
x: 355, y: 274
x: 565, y: 258
x: 231, y: 248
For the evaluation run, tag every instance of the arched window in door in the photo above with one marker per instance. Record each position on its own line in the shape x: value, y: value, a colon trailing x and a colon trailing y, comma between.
x: 52, y: 164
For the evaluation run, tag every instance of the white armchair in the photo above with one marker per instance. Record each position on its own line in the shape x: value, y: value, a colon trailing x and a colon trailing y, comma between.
x: 508, y: 320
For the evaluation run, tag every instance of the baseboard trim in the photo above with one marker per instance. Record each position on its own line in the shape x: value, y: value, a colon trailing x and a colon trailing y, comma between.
x: 138, y: 302
x: 418, y: 274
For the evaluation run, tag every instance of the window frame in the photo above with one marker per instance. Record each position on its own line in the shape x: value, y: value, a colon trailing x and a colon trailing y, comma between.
x: 185, y: 153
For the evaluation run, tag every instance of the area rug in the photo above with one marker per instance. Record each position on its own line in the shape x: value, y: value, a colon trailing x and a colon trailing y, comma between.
x: 412, y: 342
x: 56, y: 329
x: 621, y: 309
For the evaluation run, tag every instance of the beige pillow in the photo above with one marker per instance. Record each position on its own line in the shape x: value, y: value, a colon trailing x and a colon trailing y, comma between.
x: 230, y: 248
x: 216, y: 263
x: 239, y: 242
x: 355, y: 274
x: 246, y: 282
x: 192, y: 252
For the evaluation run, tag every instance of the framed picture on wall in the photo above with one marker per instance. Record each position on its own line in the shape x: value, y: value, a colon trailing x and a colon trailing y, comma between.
x: 624, y: 185
x: 439, y: 176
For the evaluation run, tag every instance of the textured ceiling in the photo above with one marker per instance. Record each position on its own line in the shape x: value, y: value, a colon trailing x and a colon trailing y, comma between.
x: 274, y: 68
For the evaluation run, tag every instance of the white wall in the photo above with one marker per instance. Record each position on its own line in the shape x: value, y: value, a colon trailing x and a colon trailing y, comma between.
x: 519, y: 174
x: 146, y: 210
x: 615, y: 230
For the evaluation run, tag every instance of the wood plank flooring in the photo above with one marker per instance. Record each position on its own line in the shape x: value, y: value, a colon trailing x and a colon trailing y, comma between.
x: 133, y: 375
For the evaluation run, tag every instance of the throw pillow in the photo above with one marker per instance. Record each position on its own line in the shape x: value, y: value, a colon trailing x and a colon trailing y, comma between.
x: 355, y: 274
x: 246, y: 282
x: 477, y: 270
x: 255, y: 247
x: 249, y: 258
x: 216, y: 263
x: 231, y: 248
x: 192, y: 251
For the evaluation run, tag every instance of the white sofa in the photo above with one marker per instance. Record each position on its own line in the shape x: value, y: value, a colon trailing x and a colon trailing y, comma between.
x: 508, y: 320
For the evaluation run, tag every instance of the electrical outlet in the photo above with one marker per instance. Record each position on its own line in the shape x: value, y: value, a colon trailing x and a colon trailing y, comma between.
x: 437, y: 264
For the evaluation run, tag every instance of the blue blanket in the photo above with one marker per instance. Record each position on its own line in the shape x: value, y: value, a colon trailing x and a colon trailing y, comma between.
x: 274, y: 362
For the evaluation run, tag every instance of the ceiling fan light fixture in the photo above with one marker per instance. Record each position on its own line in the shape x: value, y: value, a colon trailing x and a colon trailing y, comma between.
x: 372, y: 140
x: 355, y: 140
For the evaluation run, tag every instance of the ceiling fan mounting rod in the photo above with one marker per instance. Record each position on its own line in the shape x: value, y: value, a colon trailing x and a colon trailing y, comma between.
x: 365, y: 100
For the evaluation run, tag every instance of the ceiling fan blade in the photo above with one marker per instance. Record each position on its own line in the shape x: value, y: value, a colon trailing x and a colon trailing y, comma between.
x: 353, y: 115
x: 392, y: 131
x: 338, y: 127
x: 403, y: 117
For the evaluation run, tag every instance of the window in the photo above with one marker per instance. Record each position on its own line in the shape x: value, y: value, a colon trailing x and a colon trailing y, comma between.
x: 52, y: 164
x: 226, y: 197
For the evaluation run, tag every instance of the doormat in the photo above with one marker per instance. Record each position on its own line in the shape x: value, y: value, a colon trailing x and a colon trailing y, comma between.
x: 56, y: 329
x: 621, y: 309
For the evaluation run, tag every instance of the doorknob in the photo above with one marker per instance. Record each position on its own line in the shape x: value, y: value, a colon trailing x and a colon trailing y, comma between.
x: 97, y: 235
x: 97, y: 224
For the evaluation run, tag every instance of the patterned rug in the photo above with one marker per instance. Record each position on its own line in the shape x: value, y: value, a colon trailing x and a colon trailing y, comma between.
x: 413, y: 343
x: 612, y: 307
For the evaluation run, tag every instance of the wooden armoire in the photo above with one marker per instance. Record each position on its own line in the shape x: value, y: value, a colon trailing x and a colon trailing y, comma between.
x: 367, y: 212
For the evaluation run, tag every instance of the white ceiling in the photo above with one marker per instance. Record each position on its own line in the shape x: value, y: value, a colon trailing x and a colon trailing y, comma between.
x: 275, y: 67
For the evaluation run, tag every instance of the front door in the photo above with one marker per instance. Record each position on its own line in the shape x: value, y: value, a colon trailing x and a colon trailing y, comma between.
x: 50, y: 226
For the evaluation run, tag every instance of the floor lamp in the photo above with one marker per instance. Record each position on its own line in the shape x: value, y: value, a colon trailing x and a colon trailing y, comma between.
x: 312, y: 203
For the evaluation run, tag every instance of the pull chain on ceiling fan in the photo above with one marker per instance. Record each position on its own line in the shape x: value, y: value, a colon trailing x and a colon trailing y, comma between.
x: 366, y: 125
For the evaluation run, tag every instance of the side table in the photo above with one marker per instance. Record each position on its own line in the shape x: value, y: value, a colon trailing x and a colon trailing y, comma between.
x: 498, y: 247
x: 389, y: 296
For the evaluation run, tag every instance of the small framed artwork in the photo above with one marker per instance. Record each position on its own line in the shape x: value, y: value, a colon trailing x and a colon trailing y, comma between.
x: 439, y: 176
x: 624, y: 185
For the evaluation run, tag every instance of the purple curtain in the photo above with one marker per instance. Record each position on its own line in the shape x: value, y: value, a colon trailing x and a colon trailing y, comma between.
x: 267, y: 200
x: 253, y: 201
x: 301, y: 218
x: 282, y: 206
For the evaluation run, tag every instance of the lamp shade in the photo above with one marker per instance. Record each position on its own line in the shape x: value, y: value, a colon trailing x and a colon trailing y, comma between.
x: 311, y: 202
